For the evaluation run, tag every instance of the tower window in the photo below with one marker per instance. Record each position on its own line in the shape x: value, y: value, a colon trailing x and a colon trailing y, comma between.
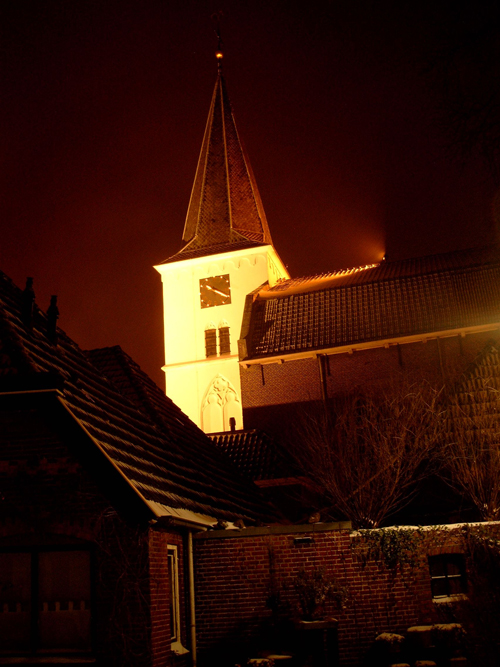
x: 224, y: 341
x: 211, y: 342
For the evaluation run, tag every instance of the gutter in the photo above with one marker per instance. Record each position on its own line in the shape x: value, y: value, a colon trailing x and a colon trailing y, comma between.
x: 280, y: 358
x: 165, y: 521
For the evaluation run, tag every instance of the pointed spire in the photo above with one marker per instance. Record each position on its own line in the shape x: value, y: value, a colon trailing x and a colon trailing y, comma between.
x: 225, y: 207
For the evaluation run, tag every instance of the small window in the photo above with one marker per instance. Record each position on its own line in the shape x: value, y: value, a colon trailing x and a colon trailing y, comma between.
x: 447, y: 575
x: 45, y: 600
x: 224, y: 340
x: 211, y: 342
x: 175, y: 613
x: 173, y: 575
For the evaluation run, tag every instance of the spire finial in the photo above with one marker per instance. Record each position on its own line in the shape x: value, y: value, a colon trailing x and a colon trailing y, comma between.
x: 216, y: 17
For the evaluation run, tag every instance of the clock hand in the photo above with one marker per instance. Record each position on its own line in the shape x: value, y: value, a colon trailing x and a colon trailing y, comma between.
x: 217, y: 291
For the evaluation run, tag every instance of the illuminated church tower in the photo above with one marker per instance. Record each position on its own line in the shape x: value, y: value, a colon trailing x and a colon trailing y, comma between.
x: 228, y: 253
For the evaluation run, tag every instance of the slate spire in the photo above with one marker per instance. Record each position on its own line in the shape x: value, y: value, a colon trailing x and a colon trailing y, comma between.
x: 225, y: 208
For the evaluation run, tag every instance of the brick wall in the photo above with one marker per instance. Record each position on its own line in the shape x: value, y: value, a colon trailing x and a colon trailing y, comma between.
x: 273, y: 394
x: 160, y: 598
x: 236, y: 575
x: 274, y: 384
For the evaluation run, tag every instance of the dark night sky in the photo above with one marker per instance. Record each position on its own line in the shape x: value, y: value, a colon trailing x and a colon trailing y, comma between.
x: 104, y: 107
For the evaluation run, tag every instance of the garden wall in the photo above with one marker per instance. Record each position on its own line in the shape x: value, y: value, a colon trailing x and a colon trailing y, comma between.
x: 245, y: 583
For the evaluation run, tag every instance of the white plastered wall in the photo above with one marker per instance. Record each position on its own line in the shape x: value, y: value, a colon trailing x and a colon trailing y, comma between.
x: 188, y: 371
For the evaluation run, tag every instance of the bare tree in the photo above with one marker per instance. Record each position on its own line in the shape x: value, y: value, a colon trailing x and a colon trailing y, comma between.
x: 367, y: 452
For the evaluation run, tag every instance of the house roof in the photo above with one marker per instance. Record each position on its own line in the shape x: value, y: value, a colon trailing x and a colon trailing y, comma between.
x: 225, y: 210
x: 382, y: 301
x: 252, y: 452
x: 172, y: 465
x: 475, y: 400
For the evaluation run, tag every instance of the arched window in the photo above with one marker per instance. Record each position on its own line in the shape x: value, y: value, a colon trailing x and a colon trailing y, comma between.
x: 221, y: 403
x: 210, y: 340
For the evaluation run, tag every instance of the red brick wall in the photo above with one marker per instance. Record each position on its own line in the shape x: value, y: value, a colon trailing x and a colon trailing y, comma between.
x: 273, y: 384
x: 160, y: 598
x: 271, y: 395
x: 233, y: 582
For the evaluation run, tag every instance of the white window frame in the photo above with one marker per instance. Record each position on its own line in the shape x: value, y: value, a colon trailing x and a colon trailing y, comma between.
x: 175, y: 621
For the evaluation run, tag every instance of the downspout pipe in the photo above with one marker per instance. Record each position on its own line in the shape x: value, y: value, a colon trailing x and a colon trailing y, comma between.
x: 322, y: 379
x: 192, y: 608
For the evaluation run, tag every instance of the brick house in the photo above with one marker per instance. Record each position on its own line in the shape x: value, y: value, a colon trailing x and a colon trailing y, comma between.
x: 103, y: 480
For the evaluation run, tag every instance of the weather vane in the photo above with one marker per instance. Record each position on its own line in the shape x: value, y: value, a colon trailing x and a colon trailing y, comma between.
x: 216, y: 17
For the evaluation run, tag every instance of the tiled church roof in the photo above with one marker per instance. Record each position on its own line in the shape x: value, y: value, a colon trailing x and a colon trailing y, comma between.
x: 389, y: 300
x: 225, y: 210
x: 167, y: 459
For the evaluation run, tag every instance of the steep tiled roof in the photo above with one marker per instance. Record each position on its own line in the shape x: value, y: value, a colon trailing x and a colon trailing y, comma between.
x: 129, y: 378
x: 167, y: 459
x: 253, y: 452
x: 388, y: 300
x: 225, y: 207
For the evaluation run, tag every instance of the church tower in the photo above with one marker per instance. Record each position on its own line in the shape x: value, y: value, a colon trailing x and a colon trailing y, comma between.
x: 228, y: 253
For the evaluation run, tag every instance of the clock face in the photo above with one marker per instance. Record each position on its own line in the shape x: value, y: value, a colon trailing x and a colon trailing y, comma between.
x: 215, y: 291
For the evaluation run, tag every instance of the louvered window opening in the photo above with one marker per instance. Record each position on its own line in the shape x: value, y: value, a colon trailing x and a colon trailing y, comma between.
x: 211, y: 342
x: 224, y: 341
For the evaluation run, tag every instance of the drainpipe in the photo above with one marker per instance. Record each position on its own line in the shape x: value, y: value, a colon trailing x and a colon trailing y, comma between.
x: 192, y: 611
x: 322, y: 379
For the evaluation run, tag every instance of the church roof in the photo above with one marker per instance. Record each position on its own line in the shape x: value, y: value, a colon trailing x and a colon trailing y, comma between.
x: 225, y: 210
x: 126, y: 420
x: 382, y: 301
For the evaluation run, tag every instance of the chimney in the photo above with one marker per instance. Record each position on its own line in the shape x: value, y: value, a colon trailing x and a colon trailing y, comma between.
x: 28, y: 304
x: 52, y: 317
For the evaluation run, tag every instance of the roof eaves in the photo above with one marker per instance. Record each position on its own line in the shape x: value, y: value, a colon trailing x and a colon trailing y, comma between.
x: 349, y: 348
